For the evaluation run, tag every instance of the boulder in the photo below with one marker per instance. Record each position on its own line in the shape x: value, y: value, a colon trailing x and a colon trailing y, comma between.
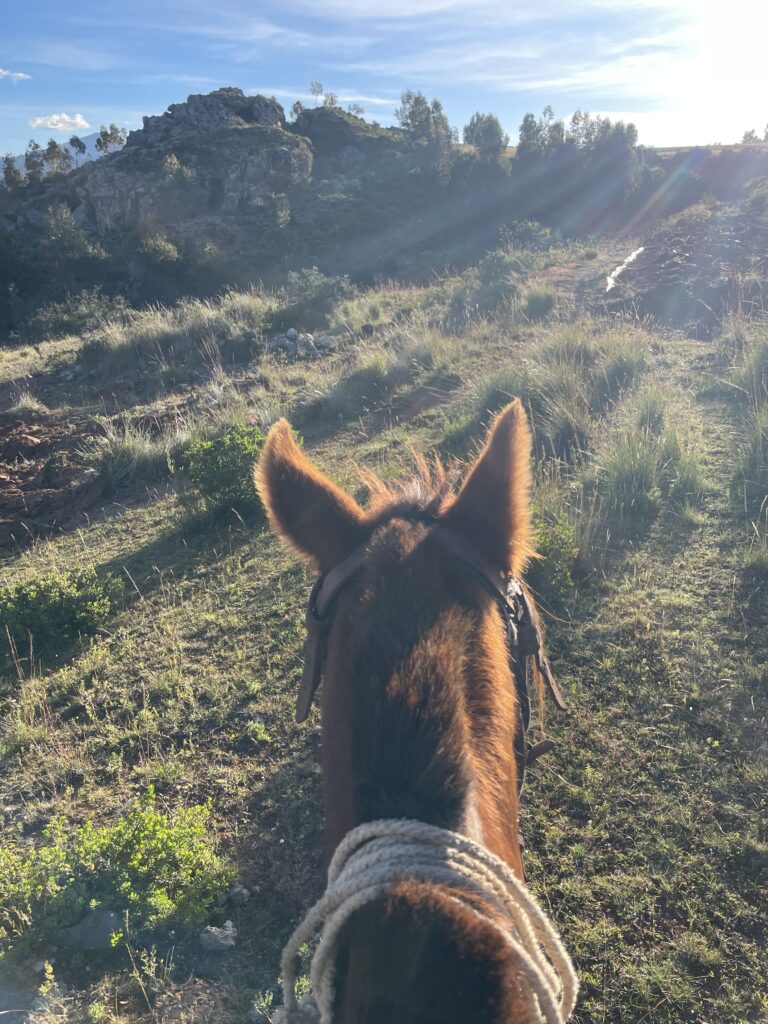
x: 218, y: 940
x: 94, y: 931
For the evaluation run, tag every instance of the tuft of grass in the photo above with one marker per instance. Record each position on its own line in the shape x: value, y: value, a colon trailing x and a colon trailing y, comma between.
x: 750, y: 483
x: 651, y: 409
x: 637, y: 469
x: 126, y: 454
x: 27, y: 403
x: 538, y: 302
x: 170, y: 342
x: 628, y: 480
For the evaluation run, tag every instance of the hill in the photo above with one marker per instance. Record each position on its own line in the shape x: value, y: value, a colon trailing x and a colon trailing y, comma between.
x: 222, y: 191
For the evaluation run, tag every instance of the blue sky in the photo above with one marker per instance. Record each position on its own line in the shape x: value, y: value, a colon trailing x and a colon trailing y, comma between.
x: 686, y: 71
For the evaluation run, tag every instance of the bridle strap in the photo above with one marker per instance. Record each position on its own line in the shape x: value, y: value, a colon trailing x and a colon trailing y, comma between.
x: 509, y: 594
x: 317, y: 621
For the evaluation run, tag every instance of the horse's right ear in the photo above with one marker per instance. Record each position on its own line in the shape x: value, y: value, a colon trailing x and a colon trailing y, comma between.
x: 317, y: 518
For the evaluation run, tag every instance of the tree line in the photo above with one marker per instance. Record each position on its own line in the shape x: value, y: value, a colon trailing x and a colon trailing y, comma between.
x: 56, y: 158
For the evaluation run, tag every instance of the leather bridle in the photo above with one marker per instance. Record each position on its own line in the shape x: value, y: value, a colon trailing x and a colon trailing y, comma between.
x: 523, y: 637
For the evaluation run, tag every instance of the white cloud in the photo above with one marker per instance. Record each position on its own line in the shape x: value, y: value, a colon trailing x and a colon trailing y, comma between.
x: 14, y: 76
x: 60, y: 122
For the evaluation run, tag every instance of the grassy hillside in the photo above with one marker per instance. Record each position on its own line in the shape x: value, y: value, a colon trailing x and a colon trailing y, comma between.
x: 645, y: 833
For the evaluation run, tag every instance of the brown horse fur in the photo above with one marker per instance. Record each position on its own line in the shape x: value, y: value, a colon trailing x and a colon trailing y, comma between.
x: 419, y: 708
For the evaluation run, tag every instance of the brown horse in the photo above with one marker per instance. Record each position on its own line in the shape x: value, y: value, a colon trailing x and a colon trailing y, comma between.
x: 419, y: 708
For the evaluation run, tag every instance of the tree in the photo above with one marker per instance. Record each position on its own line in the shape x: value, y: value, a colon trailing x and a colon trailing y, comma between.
x: 57, y: 158
x: 12, y: 177
x: 78, y: 147
x: 34, y: 162
x: 414, y: 114
x: 749, y: 137
x: 330, y: 99
x: 296, y: 109
x: 427, y: 121
x: 355, y: 108
x: 112, y: 136
x: 316, y: 89
x: 485, y: 133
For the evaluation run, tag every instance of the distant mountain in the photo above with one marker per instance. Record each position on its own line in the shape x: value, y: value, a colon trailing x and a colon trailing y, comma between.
x: 91, y: 153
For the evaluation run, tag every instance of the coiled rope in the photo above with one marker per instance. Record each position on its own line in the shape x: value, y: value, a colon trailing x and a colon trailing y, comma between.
x: 372, y: 858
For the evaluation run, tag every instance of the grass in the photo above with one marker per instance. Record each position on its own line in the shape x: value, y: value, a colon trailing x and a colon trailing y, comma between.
x: 645, y: 835
x: 27, y: 403
x: 171, y: 341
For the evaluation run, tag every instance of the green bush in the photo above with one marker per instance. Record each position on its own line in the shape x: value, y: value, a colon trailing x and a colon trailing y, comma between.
x: 220, y: 468
x: 551, y: 575
x: 55, y: 609
x: 164, y: 872
x: 310, y: 297
x: 83, y: 311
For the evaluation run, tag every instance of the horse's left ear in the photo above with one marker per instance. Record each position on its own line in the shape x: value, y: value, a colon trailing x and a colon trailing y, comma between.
x: 305, y: 508
x: 493, y: 507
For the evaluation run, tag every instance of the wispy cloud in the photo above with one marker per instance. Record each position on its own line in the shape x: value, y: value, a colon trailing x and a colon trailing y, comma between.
x: 60, y: 122
x: 95, y: 56
x: 245, y: 37
x: 342, y: 95
x: 14, y: 76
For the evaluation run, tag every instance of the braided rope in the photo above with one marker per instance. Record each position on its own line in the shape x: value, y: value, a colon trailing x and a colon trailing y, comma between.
x: 374, y: 856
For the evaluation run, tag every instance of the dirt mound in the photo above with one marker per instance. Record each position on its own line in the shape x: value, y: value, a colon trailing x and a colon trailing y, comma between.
x: 44, y: 480
x: 701, y: 265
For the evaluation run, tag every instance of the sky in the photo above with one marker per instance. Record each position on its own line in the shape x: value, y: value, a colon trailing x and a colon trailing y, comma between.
x: 685, y: 71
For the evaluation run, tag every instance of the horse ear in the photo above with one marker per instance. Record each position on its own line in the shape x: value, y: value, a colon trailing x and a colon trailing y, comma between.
x: 493, y: 507
x: 317, y: 518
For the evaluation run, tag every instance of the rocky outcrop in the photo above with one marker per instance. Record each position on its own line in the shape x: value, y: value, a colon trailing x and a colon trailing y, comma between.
x: 224, y: 153
x: 224, y: 108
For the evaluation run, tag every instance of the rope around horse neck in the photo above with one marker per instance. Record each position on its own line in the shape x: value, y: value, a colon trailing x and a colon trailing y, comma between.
x: 373, y: 857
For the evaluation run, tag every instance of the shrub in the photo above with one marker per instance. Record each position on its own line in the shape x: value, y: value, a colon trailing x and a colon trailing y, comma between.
x: 220, y: 468
x: 310, y: 297
x: 84, y: 311
x: 49, y: 613
x: 159, y: 250
x: 551, y: 575
x: 163, y: 871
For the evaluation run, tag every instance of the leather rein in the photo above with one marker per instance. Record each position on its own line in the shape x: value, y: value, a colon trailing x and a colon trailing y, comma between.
x: 523, y: 636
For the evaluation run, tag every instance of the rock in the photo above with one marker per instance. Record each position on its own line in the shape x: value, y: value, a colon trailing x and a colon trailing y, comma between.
x: 218, y: 940
x: 228, y: 107
x: 292, y: 334
x: 309, y: 1013
x: 239, y: 895
x: 281, y: 343
x: 305, y: 347
x: 763, y: 749
x: 327, y: 343
x: 95, y: 931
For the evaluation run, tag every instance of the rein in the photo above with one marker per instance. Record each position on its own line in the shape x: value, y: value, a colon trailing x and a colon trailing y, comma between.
x: 524, y: 642
x: 373, y: 858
